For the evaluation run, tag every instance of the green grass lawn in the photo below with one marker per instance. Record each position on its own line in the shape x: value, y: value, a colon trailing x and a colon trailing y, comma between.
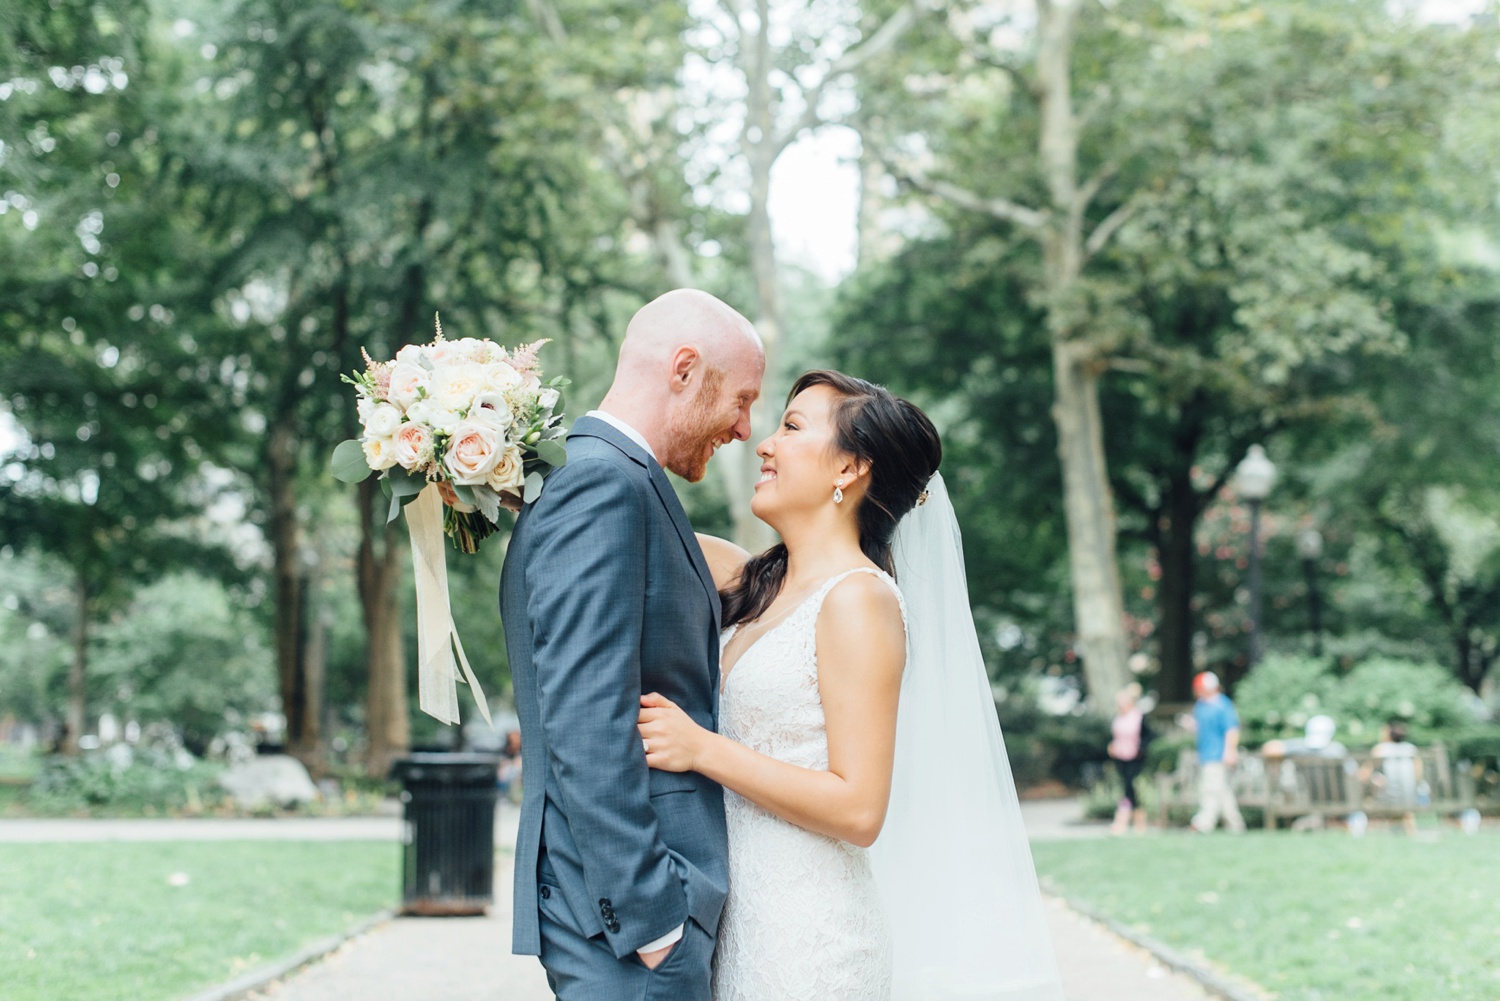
x: 104, y: 922
x: 1310, y: 917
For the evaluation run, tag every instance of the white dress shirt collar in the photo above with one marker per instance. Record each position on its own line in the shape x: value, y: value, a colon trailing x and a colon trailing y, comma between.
x: 624, y: 429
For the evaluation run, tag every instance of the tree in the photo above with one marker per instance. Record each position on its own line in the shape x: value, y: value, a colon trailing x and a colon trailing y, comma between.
x: 115, y: 409
x: 317, y: 173
x: 1244, y: 246
x: 791, y: 63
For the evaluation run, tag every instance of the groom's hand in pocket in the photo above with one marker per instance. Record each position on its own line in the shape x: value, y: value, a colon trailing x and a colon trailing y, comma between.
x: 673, y: 742
x: 656, y: 957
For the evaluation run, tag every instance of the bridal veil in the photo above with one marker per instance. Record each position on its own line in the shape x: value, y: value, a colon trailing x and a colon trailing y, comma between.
x: 952, y: 862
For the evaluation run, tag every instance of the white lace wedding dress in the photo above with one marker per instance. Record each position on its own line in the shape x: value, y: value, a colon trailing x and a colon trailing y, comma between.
x: 803, y: 921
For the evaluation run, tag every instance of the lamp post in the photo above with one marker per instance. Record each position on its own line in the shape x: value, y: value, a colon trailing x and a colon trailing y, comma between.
x: 1310, y: 547
x: 1253, y: 479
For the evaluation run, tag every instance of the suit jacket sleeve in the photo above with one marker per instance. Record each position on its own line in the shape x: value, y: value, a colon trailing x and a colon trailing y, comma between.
x: 586, y: 581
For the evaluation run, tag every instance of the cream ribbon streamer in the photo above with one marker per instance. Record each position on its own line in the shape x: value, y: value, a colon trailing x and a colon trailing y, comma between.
x: 437, y: 639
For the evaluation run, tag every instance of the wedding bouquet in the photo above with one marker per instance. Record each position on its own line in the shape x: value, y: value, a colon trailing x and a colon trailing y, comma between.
x: 455, y: 428
x: 466, y: 416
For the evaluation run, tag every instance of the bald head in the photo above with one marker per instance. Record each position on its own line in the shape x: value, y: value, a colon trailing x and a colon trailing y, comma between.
x: 686, y: 317
x: 689, y: 368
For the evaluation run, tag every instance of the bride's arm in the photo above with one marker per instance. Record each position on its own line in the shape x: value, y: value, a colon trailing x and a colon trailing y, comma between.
x: 725, y: 559
x: 861, y: 653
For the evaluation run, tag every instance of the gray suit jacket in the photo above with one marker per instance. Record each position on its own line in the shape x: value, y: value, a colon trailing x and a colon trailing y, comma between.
x: 606, y: 595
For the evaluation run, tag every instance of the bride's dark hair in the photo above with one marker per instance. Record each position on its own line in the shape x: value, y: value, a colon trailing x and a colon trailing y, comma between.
x: 903, y: 450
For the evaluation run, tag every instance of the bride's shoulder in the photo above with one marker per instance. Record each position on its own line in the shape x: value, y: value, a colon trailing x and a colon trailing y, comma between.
x: 860, y: 596
x: 725, y: 559
x: 861, y: 627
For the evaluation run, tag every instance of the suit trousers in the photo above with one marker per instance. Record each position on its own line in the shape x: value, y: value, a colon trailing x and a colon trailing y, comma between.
x: 584, y: 969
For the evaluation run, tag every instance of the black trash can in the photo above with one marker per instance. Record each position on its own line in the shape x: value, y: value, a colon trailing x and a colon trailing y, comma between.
x: 448, y: 860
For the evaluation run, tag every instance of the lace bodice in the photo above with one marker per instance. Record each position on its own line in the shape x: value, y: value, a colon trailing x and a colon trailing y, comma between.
x: 803, y: 919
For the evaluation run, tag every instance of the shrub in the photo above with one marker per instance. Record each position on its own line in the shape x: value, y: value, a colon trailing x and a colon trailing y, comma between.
x: 1042, y: 746
x: 1281, y: 694
x: 147, y: 782
x: 1426, y: 696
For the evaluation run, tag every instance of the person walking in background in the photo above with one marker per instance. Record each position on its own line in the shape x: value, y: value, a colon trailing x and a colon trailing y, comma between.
x: 1129, y: 734
x: 1218, y: 728
x: 508, y: 772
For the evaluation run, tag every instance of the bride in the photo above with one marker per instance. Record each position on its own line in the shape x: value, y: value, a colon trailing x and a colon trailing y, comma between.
x: 845, y: 717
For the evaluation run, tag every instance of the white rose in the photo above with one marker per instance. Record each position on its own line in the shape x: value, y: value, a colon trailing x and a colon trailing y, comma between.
x: 491, y: 408
x: 380, y: 453
x: 499, y: 377
x: 509, y: 472
x: 363, y: 406
x: 472, y: 453
x: 548, y: 399
x: 413, y: 446
x: 407, y: 382
x: 435, y: 416
x: 410, y: 354
x: 454, y: 386
x: 382, y: 421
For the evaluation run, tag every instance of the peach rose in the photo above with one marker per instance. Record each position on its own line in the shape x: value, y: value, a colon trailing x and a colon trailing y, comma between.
x: 473, y: 451
x: 413, y: 446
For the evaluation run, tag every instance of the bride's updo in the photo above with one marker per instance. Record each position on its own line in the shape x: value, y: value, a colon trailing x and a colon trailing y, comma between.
x: 903, y: 450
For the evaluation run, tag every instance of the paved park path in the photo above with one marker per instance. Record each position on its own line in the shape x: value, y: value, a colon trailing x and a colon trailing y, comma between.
x: 468, y: 959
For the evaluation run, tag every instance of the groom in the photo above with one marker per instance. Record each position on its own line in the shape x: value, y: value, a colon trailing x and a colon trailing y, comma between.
x: 621, y: 871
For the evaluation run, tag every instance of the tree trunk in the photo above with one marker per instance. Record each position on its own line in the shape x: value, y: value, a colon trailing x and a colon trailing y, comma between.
x: 78, y: 692
x: 1088, y: 503
x: 290, y: 597
x: 309, y: 747
x: 872, y: 240
x: 739, y: 465
x: 1178, y: 558
x: 1088, y: 507
x: 387, y: 724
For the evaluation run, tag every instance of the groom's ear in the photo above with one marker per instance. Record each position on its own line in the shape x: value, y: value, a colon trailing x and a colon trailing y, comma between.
x: 686, y: 365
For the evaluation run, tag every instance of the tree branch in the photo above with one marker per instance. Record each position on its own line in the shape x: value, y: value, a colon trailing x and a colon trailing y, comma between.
x: 1093, y: 184
x: 984, y: 57
x: 998, y: 208
x: 548, y: 19
x: 1107, y: 227
x: 849, y: 62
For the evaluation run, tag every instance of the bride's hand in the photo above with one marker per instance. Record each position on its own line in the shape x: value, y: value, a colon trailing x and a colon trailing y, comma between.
x: 673, y: 741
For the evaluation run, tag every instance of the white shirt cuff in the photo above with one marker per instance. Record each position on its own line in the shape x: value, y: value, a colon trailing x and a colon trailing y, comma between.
x: 670, y: 938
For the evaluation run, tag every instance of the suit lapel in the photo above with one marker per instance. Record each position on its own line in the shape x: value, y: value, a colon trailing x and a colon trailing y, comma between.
x: 594, y: 428
x: 668, y: 497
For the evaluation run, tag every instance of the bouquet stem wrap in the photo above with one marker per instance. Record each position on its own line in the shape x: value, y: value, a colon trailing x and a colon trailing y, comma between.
x: 437, y: 638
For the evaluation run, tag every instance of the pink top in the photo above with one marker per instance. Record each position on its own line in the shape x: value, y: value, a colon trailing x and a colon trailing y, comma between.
x: 1126, y: 730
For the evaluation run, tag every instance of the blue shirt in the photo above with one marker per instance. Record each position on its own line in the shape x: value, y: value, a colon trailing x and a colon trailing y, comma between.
x: 1215, y: 718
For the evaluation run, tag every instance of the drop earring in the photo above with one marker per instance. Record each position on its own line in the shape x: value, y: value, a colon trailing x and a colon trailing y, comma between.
x: 838, y: 492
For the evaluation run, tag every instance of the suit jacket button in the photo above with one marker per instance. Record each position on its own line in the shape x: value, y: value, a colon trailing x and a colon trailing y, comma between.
x: 614, y: 927
x: 545, y: 891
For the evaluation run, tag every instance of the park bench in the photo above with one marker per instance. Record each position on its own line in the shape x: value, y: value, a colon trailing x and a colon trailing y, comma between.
x: 1317, y: 788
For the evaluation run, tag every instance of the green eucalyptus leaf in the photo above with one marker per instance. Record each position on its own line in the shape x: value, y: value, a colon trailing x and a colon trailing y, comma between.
x: 552, y: 452
x: 406, y: 484
x: 533, y: 488
x: 348, y: 463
